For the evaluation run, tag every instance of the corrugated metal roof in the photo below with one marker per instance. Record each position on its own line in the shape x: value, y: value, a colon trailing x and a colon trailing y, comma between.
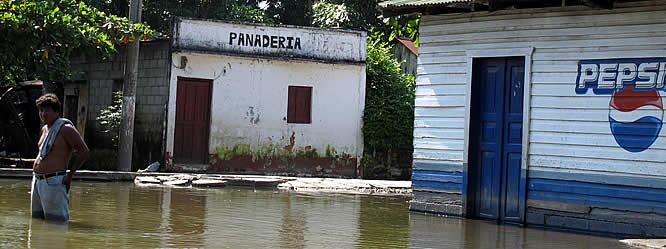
x: 418, y: 3
x: 409, y: 45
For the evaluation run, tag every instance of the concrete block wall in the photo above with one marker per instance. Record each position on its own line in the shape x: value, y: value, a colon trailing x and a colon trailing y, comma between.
x: 151, y: 95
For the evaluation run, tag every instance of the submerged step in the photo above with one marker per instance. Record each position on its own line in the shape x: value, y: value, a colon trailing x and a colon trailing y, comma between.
x: 208, y: 183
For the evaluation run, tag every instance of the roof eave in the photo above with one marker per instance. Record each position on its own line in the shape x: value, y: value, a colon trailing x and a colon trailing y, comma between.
x: 463, y: 7
x: 430, y: 10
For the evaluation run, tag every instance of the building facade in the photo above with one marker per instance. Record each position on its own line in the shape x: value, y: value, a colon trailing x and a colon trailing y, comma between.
x: 546, y: 116
x: 265, y: 99
x: 92, y: 90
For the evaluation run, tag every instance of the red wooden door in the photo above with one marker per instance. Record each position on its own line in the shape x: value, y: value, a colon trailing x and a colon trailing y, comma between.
x: 193, y: 98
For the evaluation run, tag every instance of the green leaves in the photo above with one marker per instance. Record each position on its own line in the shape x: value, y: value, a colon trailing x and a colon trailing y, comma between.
x: 109, y: 118
x: 330, y: 15
x: 400, y: 26
x: 389, y: 104
x: 38, y: 37
x: 158, y: 13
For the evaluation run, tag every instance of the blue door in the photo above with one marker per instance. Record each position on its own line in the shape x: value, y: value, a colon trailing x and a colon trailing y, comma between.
x: 496, y: 139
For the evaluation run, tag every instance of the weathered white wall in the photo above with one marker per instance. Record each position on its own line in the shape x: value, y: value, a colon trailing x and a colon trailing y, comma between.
x: 569, y: 133
x: 269, y: 40
x: 249, y: 103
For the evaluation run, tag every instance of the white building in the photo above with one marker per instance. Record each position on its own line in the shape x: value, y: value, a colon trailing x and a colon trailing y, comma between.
x: 265, y: 98
x: 545, y: 113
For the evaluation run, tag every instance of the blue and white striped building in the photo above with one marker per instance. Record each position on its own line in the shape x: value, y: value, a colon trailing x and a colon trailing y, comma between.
x: 545, y: 113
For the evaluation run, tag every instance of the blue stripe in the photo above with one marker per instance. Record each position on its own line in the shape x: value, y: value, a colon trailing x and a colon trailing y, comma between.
x: 637, y: 181
x: 594, y: 189
x: 598, y: 195
x: 600, y: 202
x: 437, y: 181
x: 648, y: 127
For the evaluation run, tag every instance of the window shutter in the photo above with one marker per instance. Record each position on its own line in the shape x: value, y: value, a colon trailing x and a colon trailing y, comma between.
x: 299, y: 106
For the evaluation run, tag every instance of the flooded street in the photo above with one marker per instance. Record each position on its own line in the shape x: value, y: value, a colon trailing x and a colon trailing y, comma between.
x: 122, y: 215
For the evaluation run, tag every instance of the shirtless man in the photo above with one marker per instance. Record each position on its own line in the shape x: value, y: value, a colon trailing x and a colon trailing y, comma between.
x: 51, y: 179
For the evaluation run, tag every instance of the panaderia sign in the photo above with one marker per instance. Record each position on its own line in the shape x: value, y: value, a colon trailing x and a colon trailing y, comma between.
x: 272, y: 41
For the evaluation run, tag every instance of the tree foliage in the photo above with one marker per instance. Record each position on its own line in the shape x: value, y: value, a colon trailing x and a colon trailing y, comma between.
x: 389, y: 102
x: 350, y: 14
x: 37, y: 38
x: 401, y: 26
x: 157, y: 13
x: 291, y: 12
x: 330, y: 15
x: 110, y: 117
x: 363, y: 14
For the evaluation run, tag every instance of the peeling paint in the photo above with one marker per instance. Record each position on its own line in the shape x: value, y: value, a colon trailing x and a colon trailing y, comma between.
x: 342, y: 46
x: 295, y: 166
x: 277, y: 159
x: 253, y: 115
x: 292, y: 141
x: 249, y: 103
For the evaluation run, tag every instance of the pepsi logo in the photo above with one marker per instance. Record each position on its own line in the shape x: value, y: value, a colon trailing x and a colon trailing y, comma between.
x: 635, y: 117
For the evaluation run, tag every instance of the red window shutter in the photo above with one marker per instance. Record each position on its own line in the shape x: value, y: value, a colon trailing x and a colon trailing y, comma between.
x: 299, y: 106
x: 307, y: 108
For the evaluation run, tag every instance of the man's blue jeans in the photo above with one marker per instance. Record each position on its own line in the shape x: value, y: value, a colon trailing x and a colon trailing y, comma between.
x: 50, y: 199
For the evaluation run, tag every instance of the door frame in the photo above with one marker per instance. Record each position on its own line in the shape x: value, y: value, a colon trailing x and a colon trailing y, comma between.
x: 490, y: 53
x: 210, y: 113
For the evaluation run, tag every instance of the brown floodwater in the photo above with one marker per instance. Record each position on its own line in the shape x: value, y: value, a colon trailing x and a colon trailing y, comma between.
x: 122, y: 215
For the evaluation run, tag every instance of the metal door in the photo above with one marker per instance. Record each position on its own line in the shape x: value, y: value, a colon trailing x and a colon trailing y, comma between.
x: 496, y: 138
x: 193, y: 99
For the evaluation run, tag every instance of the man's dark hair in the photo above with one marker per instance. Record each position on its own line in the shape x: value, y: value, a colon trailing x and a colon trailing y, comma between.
x: 49, y: 100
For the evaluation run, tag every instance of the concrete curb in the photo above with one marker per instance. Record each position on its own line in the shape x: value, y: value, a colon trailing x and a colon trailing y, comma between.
x: 646, y: 243
x: 295, y: 184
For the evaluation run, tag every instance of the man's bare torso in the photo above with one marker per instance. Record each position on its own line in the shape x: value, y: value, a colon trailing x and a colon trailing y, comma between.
x: 58, y: 157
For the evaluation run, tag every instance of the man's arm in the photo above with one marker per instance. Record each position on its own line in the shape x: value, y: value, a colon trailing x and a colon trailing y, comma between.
x: 74, y: 139
x: 42, y: 137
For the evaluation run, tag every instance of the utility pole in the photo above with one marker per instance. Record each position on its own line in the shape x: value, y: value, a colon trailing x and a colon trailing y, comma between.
x: 129, y: 94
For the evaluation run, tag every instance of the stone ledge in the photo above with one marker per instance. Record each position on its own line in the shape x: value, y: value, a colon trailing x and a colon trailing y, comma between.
x: 646, y: 243
x: 437, y: 208
x: 350, y: 186
x: 296, y: 184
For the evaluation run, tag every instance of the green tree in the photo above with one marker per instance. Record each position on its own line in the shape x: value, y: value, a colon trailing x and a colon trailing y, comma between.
x: 113, y: 7
x: 291, y: 12
x: 364, y: 15
x: 37, y: 38
x: 350, y: 14
x: 388, y: 118
x: 109, y: 118
x: 330, y: 15
x: 401, y: 26
x: 157, y: 13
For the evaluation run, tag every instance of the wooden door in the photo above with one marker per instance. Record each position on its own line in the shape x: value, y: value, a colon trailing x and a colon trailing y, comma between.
x: 496, y: 138
x: 193, y: 100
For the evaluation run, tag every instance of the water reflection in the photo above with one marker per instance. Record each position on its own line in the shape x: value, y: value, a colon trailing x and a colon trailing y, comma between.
x: 121, y: 215
x: 56, y: 238
x: 428, y: 231
x: 187, y: 218
x: 292, y: 229
x: 383, y: 223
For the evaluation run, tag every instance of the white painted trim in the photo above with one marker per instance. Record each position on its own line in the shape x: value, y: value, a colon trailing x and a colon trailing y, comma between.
x: 511, y: 52
x: 468, y: 107
x: 526, y: 52
x: 500, y: 52
x: 527, y: 94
